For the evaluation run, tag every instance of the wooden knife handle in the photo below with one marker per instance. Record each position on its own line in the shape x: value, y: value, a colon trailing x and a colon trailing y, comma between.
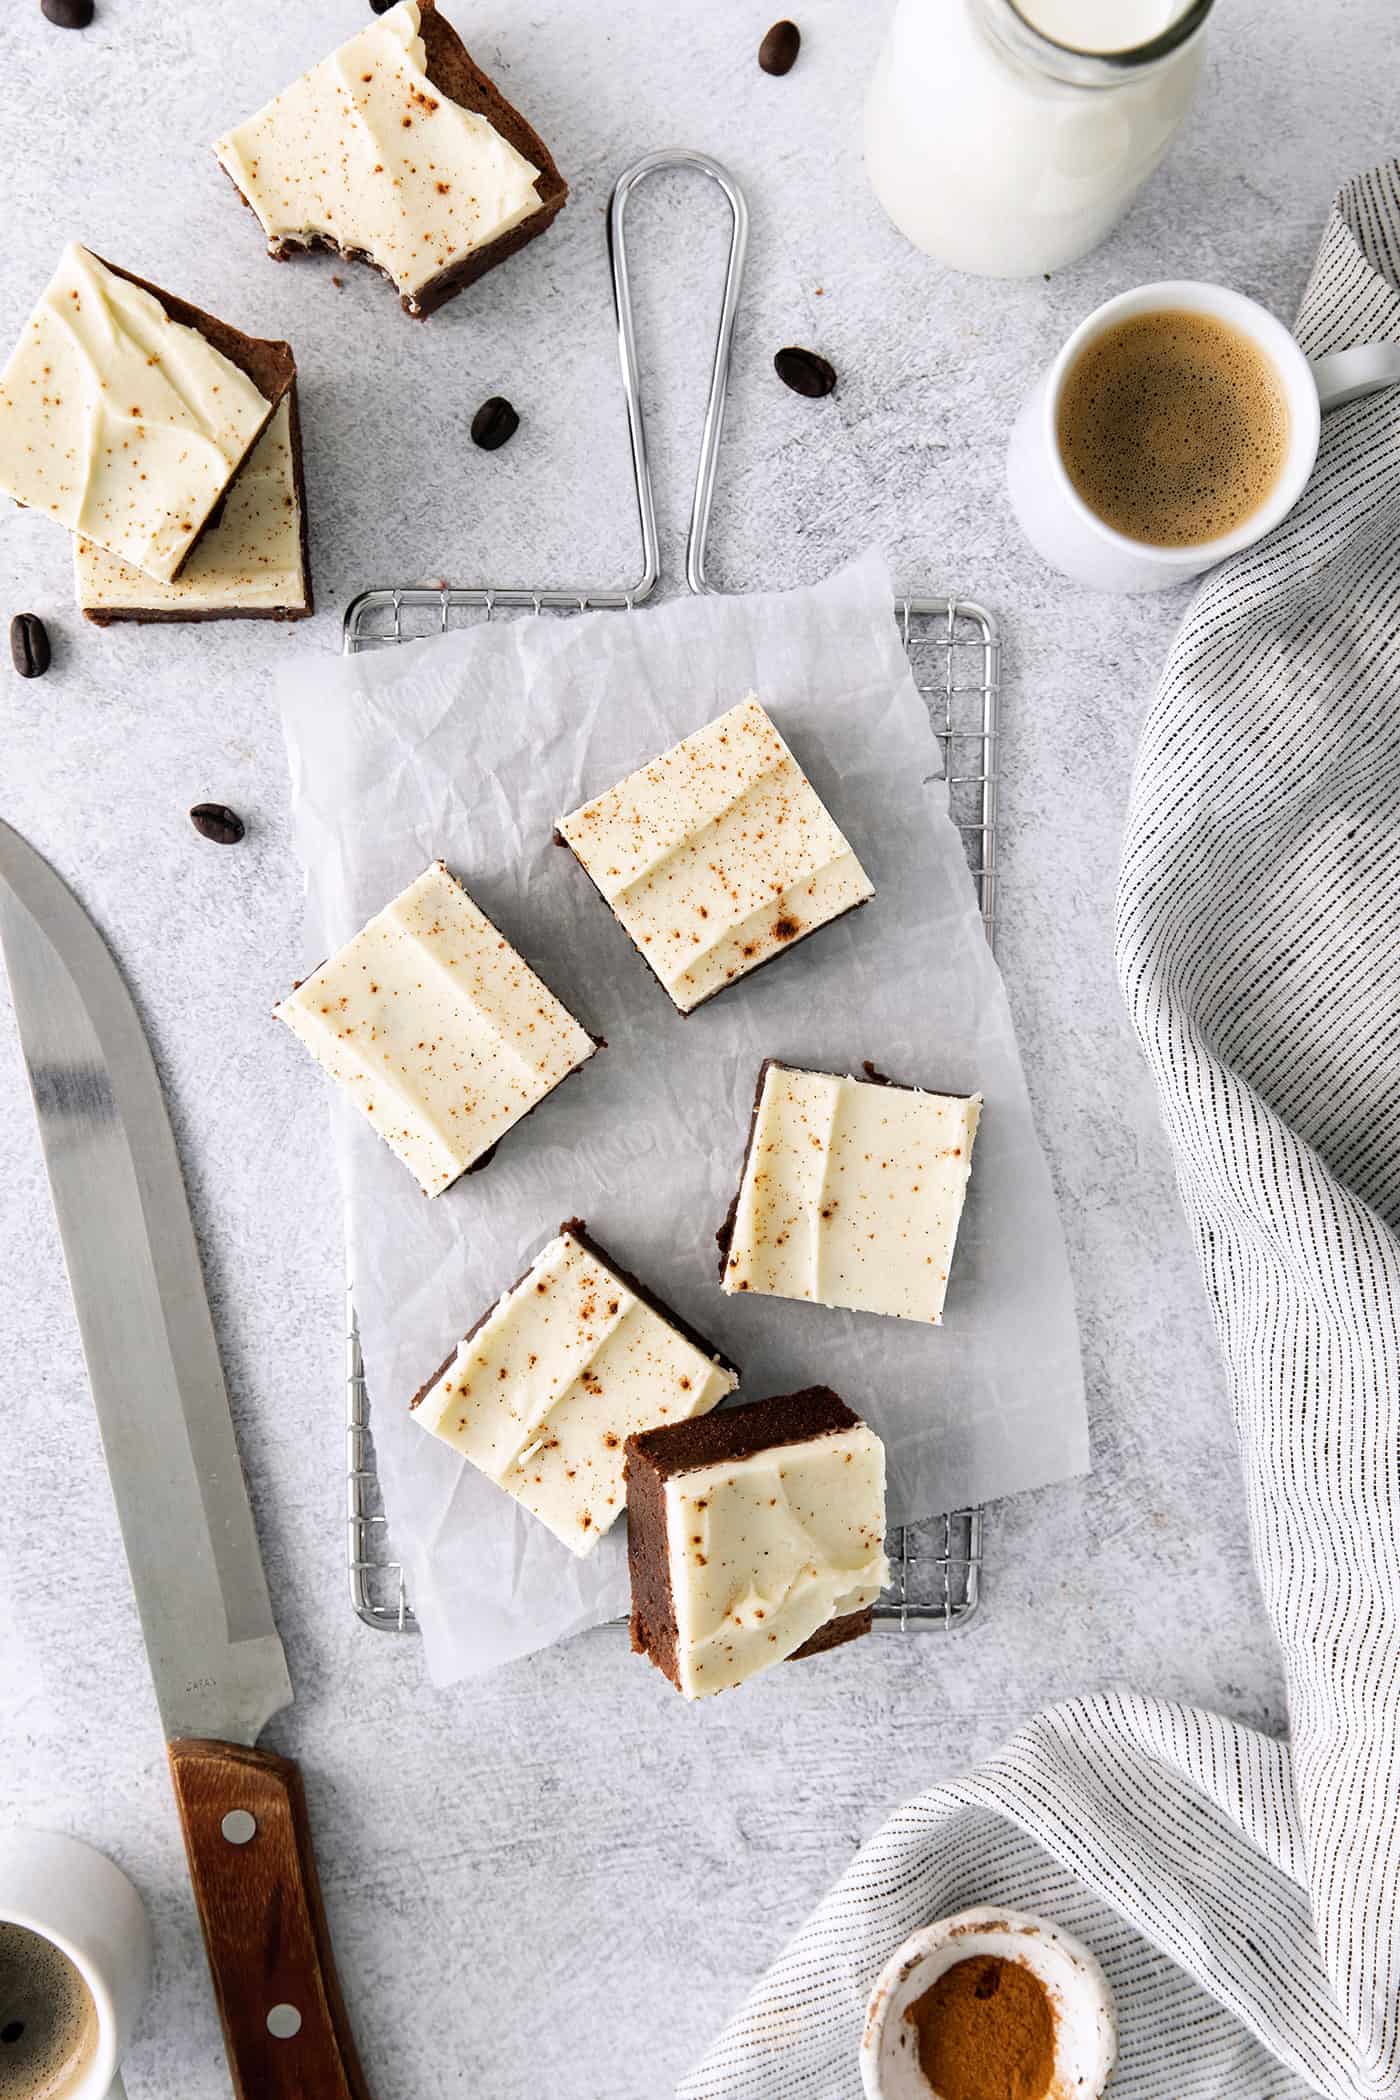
x: 264, y: 1924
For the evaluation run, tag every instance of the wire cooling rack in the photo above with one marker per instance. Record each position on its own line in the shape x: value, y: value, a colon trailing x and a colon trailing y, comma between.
x: 936, y: 1565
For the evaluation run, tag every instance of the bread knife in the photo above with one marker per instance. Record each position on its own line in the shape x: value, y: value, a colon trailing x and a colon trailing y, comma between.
x: 162, y: 1408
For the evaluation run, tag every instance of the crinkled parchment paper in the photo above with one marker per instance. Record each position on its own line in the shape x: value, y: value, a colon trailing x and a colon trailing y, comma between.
x: 469, y: 747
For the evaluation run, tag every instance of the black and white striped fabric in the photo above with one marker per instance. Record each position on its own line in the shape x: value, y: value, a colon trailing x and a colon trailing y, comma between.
x: 1243, y: 1897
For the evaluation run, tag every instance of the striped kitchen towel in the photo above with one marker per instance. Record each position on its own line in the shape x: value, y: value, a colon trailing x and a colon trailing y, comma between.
x: 1244, y: 1896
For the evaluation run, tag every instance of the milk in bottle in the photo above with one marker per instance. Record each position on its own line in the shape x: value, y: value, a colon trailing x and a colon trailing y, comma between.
x: 1007, y: 139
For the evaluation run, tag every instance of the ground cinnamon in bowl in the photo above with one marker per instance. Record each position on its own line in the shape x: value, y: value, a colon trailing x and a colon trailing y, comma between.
x: 986, y: 2031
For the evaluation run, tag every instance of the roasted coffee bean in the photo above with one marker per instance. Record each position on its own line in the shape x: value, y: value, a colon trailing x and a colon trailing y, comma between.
x: 494, y: 422
x: 223, y: 827
x: 29, y: 645
x: 778, y: 51
x: 68, y: 14
x: 805, y: 372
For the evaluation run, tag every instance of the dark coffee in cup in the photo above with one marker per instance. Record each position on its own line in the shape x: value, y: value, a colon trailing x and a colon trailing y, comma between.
x: 48, y: 2021
x: 1173, y: 427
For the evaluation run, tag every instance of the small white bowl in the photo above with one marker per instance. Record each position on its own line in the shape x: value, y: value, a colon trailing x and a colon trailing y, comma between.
x: 1085, y: 2037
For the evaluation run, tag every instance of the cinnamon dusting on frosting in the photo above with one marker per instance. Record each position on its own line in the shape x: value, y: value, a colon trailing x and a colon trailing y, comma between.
x: 720, y: 829
x: 571, y: 1384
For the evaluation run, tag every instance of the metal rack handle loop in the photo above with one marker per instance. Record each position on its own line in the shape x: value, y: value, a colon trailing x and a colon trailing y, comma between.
x: 668, y: 158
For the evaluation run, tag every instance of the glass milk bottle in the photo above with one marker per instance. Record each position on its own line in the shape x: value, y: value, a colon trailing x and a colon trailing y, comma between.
x: 1007, y: 137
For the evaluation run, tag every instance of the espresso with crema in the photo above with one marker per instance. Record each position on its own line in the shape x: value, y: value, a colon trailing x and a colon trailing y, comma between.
x: 1173, y: 427
x: 48, y: 2022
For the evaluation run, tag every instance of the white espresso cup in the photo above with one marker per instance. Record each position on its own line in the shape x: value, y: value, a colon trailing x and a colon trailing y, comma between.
x: 1070, y: 536
x: 58, y: 1890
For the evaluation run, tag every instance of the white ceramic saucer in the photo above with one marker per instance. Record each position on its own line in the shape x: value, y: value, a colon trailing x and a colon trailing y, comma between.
x: 1085, y: 2043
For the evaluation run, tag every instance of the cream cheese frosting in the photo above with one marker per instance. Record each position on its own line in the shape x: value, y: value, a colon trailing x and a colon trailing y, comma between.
x: 852, y: 1193
x: 436, y: 1029
x: 250, y: 560
x: 764, y: 1550
x: 365, y: 152
x: 717, y: 855
x: 124, y: 425
x: 544, y: 1394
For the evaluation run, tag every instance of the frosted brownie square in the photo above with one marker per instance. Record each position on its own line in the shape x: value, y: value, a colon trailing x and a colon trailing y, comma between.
x: 436, y: 1029
x: 753, y: 1537
x: 125, y: 412
x: 547, y: 1387
x: 851, y: 1194
x: 717, y: 856
x: 398, y: 151
x: 250, y: 565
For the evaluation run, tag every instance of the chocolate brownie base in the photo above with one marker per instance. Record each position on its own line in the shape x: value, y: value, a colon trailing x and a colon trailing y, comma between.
x: 733, y: 1433
x: 450, y: 67
x: 576, y: 1229
x: 152, y: 616
x: 652, y: 1624
x: 836, y: 1633
x: 451, y: 1357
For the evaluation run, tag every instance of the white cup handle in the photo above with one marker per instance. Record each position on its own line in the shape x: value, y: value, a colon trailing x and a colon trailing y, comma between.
x: 1345, y: 375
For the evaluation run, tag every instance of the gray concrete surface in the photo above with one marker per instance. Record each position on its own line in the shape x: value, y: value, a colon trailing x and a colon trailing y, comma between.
x: 560, y: 1880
